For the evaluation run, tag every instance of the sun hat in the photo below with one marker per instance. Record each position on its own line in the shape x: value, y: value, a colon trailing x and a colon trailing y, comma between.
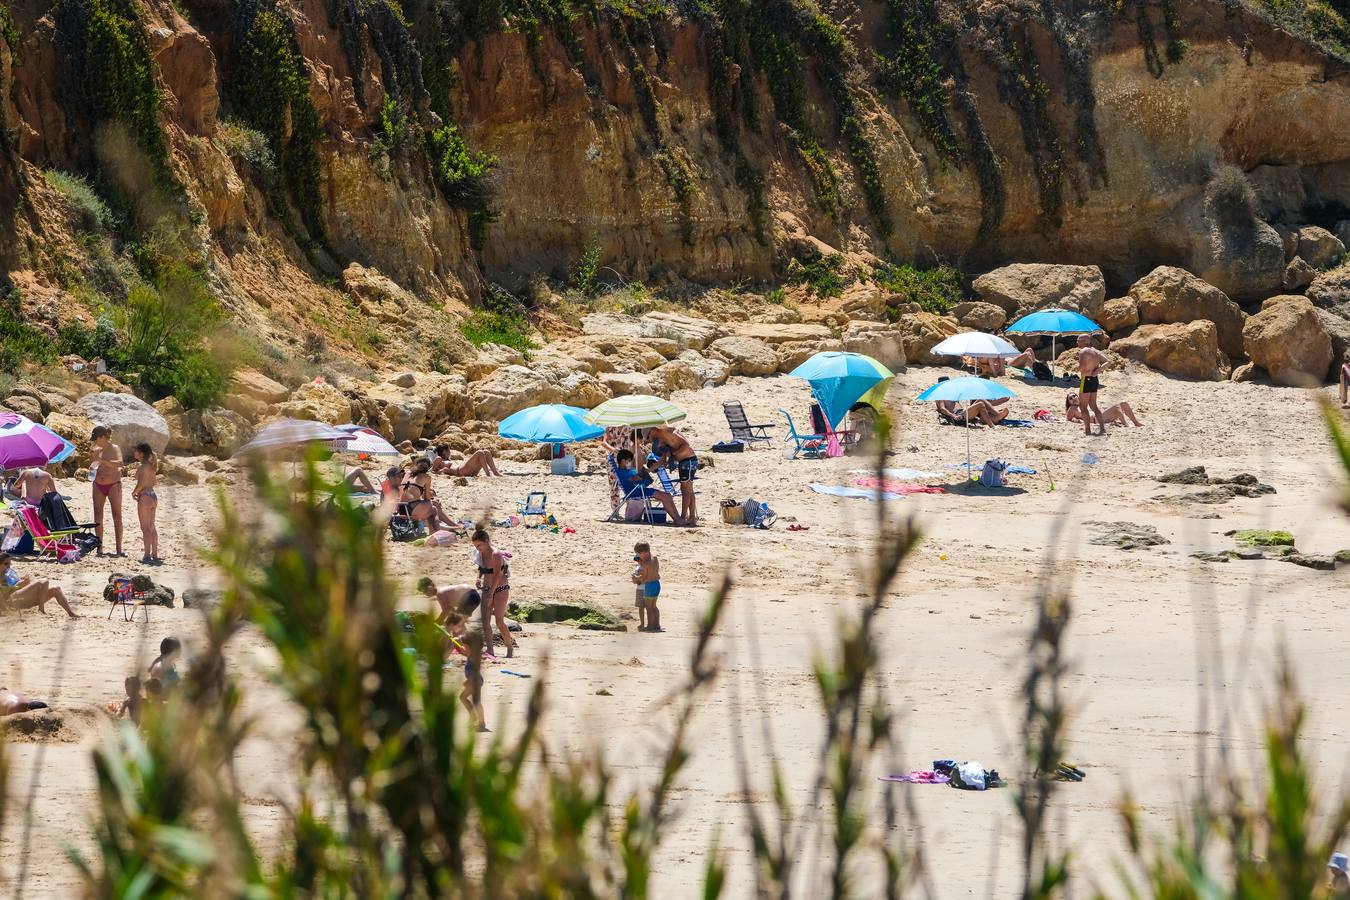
x: 1340, y: 862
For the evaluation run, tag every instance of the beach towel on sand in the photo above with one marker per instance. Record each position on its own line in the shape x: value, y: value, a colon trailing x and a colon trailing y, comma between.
x: 900, y: 474
x: 1014, y: 469
x: 918, y: 776
x: 1017, y: 423
x: 855, y: 493
x: 896, y: 487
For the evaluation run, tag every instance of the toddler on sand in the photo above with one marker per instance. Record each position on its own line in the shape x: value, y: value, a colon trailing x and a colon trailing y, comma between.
x: 647, y: 577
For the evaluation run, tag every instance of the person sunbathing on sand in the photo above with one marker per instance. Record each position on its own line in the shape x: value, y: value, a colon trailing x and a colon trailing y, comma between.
x: 12, y: 702
x: 997, y: 365
x: 1116, y: 414
x: 980, y: 413
x: 27, y: 592
x: 475, y: 463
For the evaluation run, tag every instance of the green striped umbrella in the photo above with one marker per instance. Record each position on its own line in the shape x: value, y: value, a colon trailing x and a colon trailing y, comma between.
x: 637, y: 410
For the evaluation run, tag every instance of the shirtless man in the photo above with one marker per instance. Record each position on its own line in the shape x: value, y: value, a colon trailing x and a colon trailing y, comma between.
x: 454, y: 598
x: 34, y: 484
x: 12, y: 702
x: 1091, y: 361
x: 675, y: 447
x: 106, y: 461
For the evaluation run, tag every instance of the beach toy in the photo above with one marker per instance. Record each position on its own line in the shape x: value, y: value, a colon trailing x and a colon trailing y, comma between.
x: 1090, y: 459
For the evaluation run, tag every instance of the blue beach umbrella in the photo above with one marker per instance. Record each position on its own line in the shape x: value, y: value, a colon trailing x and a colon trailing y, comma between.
x: 838, y: 380
x: 1054, y: 322
x: 552, y: 423
x: 966, y: 390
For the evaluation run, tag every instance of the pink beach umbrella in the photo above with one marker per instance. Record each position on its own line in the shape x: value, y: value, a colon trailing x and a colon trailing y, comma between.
x: 24, y: 442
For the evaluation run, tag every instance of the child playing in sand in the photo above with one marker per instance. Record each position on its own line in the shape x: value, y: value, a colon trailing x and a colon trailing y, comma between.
x: 131, y: 706
x: 647, y: 577
x: 471, y: 695
x: 165, y: 665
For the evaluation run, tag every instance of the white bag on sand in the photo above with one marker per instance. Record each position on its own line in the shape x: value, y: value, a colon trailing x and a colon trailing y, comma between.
x: 972, y: 776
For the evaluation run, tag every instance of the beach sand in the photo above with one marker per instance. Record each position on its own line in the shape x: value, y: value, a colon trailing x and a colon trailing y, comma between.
x: 1142, y: 644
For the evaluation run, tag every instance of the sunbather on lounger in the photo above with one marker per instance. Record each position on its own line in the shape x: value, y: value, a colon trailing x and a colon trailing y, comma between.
x: 1117, y: 414
x: 997, y: 365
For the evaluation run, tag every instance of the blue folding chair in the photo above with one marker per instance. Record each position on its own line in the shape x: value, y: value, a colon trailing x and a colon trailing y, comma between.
x: 634, y: 489
x: 812, y: 446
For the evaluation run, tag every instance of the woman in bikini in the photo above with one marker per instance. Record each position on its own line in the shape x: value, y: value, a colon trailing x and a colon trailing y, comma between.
x: 418, y: 496
x: 147, y: 502
x: 106, y: 464
x: 494, y: 582
x: 1117, y: 414
x: 476, y: 462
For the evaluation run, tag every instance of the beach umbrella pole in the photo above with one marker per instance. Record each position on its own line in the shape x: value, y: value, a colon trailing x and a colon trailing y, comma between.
x: 967, y: 440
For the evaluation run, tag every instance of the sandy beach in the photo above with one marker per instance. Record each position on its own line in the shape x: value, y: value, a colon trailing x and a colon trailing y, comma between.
x: 1146, y: 626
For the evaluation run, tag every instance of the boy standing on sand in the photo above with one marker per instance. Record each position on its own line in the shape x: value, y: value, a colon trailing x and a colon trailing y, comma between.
x: 647, y: 577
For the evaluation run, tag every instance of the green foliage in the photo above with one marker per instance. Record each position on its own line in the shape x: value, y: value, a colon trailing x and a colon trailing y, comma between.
x: 1327, y: 22
x: 251, y: 147
x: 936, y: 290
x: 1230, y: 200
x: 915, y: 70
x: 94, y: 214
x: 119, y: 76
x: 823, y: 274
x: 99, y: 342
x: 270, y: 91
x: 585, y: 274
x: 21, y: 342
x: 461, y: 172
x: 509, y: 329
x: 8, y: 32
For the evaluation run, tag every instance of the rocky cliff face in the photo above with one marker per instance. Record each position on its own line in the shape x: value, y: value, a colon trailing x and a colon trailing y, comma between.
x: 713, y: 142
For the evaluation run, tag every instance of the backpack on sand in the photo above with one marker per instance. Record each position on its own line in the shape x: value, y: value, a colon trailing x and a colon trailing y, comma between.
x: 992, y: 476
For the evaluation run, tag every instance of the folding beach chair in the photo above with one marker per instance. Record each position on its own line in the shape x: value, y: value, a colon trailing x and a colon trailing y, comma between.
x: 670, y: 487
x: 741, y: 429
x: 129, y: 599
x: 57, y: 545
x: 534, y: 504
x: 812, y: 446
x: 638, y: 491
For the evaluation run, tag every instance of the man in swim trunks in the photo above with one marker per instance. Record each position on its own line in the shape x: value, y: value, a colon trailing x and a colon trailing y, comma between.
x: 1091, y: 361
x: 106, y: 463
x: 460, y: 598
x: 675, y: 448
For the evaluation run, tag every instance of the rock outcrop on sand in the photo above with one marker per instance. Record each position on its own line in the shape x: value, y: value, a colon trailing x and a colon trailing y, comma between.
x: 1026, y: 287
x: 1169, y: 295
x: 132, y: 420
x: 1287, y: 339
x: 1190, y: 350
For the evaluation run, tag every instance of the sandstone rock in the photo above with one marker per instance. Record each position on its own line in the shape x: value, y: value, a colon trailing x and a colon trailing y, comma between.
x: 880, y: 340
x: 1067, y: 361
x: 1286, y: 339
x: 1119, y: 314
x: 513, y: 388
x: 922, y: 331
x: 1342, y: 231
x: 1319, y: 247
x: 176, y: 473
x: 403, y: 379
x: 862, y: 300
x: 712, y: 372
x: 370, y: 284
x: 24, y: 405
x: 1026, y: 287
x: 1248, y: 373
x: 623, y: 384
x: 745, y: 356
x: 1279, y: 190
x: 1289, y: 238
x: 780, y: 334
x: 1338, y: 329
x: 980, y: 316
x: 675, y: 375
x: 794, y: 353
x: 222, y: 431
x: 74, y: 427
x: 316, y: 402
x: 777, y: 314
x: 1298, y: 274
x: 1170, y: 295
x: 255, y: 385
x: 132, y: 420
x: 1248, y: 264
x: 1190, y: 350
x: 490, y: 358
x: 1331, y: 291
x: 188, y: 67
x: 686, y: 330
x: 667, y: 348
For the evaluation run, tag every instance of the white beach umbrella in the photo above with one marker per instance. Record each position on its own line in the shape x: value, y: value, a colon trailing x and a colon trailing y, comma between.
x: 286, y: 434
x: 975, y: 344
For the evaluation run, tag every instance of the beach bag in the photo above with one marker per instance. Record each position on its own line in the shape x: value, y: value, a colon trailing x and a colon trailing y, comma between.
x: 402, y: 529
x: 1041, y: 372
x: 756, y: 514
x: 728, y: 447
x: 992, y: 476
x: 733, y: 513
x: 969, y: 776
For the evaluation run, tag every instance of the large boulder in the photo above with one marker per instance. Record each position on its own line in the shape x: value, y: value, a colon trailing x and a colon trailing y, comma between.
x: 745, y: 356
x: 920, y: 332
x: 1286, y: 338
x: 222, y: 431
x: 685, y: 330
x: 1187, y: 349
x: 623, y: 384
x: 317, y: 401
x: 1118, y: 314
x: 132, y: 420
x: 1169, y: 295
x: 74, y: 427
x: 256, y: 386
x: 413, y: 405
x: 1026, y: 287
x: 1319, y: 247
x: 1246, y: 263
x: 711, y: 372
x: 880, y: 340
x: 979, y: 315
x: 794, y: 353
x: 676, y: 375
x: 1298, y: 274
x: 24, y: 405
x: 513, y: 388
x: 781, y: 334
x: 1338, y: 329
x: 1331, y: 291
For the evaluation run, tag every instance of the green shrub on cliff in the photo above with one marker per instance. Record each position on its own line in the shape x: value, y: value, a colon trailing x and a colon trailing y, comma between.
x: 824, y: 275
x: 936, y: 290
x: 94, y: 214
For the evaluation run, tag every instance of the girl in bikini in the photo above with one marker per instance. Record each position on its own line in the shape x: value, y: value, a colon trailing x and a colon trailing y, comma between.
x: 106, y: 466
x: 147, y: 502
x: 416, y: 494
x: 494, y: 581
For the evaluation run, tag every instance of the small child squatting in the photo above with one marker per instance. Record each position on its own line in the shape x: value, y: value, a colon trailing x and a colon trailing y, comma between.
x: 647, y: 577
